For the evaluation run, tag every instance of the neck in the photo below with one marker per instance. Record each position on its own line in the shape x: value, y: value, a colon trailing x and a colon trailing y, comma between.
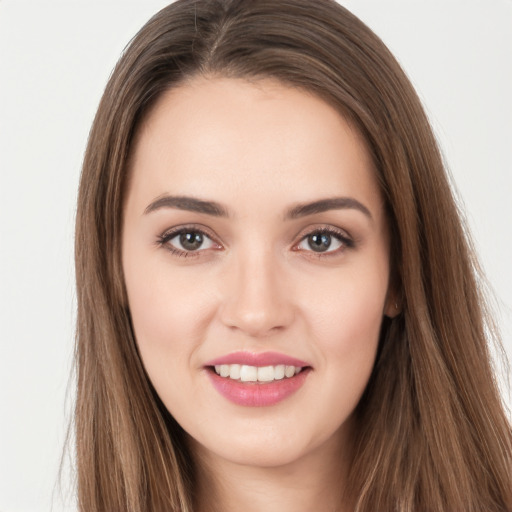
x: 315, y: 481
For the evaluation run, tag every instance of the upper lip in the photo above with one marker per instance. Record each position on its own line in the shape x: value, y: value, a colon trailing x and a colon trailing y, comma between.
x: 257, y: 359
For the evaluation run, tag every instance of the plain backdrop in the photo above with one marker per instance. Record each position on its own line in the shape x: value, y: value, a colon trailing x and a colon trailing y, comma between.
x: 55, y: 58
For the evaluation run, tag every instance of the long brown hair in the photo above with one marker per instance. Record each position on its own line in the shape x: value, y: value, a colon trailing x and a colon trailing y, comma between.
x: 432, y: 433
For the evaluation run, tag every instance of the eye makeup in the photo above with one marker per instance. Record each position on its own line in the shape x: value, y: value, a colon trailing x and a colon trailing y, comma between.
x: 192, y: 240
x: 188, y: 241
x: 324, y: 241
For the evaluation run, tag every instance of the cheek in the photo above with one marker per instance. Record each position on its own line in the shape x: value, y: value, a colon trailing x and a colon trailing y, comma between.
x: 344, y: 317
x: 346, y: 313
x: 345, y: 322
x: 169, y: 308
x: 170, y: 313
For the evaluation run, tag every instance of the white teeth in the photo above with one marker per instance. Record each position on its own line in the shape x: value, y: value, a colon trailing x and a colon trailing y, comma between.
x: 279, y: 372
x: 234, y: 371
x: 247, y: 373
x: 289, y: 371
x: 265, y: 374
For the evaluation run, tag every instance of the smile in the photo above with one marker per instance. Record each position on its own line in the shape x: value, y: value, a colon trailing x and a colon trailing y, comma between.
x: 246, y: 373
x: 257, y: 380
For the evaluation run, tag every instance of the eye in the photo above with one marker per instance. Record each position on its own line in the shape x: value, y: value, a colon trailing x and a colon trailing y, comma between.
x: 324, y: 241
x: 185, y: 241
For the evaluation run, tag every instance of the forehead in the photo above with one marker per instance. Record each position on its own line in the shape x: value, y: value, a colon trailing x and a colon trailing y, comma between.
x: 230, y: 137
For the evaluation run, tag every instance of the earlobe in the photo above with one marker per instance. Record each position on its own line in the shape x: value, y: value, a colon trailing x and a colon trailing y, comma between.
x: 392, y: 308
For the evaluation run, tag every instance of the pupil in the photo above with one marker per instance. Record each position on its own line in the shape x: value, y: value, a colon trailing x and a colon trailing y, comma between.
x: 319, y: 242
x: 191, y: 241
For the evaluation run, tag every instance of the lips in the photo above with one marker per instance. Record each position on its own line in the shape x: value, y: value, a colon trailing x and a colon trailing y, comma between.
x: 261, y: 359
x: 257, y: 380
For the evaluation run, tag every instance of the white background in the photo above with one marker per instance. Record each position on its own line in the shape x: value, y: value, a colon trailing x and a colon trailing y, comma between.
x: 55, y: 58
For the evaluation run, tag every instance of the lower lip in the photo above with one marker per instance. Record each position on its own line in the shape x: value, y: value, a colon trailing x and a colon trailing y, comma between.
x: 256, y: 394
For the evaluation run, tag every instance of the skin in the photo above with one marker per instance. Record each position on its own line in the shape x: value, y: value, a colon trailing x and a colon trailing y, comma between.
x: 258, y: 149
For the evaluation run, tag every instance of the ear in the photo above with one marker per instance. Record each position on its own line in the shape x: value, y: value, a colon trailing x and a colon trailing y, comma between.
x: 393, y: 305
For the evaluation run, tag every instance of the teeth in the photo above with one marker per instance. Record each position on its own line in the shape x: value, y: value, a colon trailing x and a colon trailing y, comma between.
x: 246, y: 373
x: 265, y: 374
x: 289, y: 371
x: 234, y: 371
x: 279, y: 372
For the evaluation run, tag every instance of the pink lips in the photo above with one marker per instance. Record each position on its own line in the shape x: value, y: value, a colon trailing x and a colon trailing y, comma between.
x: 263, y: 359
x: 257, y: 394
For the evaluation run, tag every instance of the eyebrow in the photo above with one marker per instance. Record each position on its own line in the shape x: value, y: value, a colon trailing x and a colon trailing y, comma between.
x: 190, y: 204
x: 215, y: 209
x: 324, y: 205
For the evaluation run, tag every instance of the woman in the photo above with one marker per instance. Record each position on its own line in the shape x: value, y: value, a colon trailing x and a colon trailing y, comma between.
x: 277, y: 300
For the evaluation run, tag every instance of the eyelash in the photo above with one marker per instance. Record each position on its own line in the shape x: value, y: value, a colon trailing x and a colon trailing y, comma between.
x: 165, y: 238
x: 346, y: 241
x: 341, y: 236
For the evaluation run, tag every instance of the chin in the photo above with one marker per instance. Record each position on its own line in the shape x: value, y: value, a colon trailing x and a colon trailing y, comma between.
x: 271, y: 447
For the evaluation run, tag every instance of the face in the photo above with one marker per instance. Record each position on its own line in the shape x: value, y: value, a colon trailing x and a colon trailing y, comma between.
x: 255, y: 245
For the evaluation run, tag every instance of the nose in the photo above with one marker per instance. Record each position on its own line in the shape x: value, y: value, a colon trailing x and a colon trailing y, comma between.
x: 257, y: 296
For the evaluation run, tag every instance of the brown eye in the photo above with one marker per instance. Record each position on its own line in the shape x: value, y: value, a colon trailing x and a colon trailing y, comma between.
x: 319, y: 242
x: 325, y: 241
x: 191, y: 241
x: 187, y: 241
